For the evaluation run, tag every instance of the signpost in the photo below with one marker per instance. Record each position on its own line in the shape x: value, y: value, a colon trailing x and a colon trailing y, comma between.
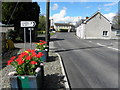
x: 24, y: 38
x: 30, y: 25
x: 30, y: 37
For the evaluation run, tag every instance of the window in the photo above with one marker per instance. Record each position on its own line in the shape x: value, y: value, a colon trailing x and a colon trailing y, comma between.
x: 105, y: 33
x: 118, y: 32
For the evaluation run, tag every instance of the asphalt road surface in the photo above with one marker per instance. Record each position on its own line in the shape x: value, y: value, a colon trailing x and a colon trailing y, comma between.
x: 88, y: 63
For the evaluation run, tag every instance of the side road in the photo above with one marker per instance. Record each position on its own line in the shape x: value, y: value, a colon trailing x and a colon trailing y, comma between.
x: 55, y: 76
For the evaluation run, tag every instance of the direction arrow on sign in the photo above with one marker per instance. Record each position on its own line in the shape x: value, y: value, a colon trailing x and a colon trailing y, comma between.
x: 28, y: 23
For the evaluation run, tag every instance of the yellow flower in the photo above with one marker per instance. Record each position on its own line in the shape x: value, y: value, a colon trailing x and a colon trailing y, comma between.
x: 26, y: 51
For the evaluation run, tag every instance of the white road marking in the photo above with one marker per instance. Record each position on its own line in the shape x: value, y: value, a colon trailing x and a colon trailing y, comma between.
x: 114, y: 48
x: 100, y: 44
x: 90, y: 41
x: 109, y: 47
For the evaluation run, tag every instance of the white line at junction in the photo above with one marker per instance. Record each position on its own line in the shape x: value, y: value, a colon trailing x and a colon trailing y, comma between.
x: 109, y: 47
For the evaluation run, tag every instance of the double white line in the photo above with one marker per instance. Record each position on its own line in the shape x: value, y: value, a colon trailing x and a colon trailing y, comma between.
x: 109, y: 47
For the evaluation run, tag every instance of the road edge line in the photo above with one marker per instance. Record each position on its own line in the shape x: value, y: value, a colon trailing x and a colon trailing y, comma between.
x: 63, y: 72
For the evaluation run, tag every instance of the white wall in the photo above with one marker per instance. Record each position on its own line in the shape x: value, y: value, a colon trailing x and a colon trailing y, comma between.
x: 95, y: 27
x: 80, y: 31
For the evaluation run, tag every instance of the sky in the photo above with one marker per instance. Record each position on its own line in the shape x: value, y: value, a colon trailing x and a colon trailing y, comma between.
x: 64, y: 12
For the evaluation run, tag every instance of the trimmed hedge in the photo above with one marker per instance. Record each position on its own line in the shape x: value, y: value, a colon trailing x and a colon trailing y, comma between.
x: 63, y: 30
x: 41, y: 32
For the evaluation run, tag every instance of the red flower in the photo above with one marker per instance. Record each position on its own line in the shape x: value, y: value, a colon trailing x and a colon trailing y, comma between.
x: 9, y: 62
x: 23, y: 54
x: 20, y: 61
x: 28, y: 57
x: 34, y: 54
x: 12, y: 58
x: 40, y: 54
x: 29, y: 50
x: 20, y: 56
x: 33, y: 62
x: 43, y: 41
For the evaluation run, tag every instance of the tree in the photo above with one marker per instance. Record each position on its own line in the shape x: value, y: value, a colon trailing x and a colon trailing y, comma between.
x: 42, y: 23
x: 0, y: 11
x: 22, y: 11
x: 116, y: 21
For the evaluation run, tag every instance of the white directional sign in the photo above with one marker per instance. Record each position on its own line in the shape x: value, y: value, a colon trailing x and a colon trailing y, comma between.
x: 28, y: 23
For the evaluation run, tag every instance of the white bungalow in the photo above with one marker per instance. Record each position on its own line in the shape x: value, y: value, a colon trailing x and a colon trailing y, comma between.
x: 95, y: 27
x: 63, y: 27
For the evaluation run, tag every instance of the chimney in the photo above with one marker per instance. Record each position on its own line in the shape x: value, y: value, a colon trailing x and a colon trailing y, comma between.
x: 87, y: 17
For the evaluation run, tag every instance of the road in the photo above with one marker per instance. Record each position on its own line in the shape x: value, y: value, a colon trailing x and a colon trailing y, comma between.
x: 88, y: 63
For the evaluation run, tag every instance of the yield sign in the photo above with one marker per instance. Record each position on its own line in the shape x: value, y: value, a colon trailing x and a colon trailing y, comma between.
x: 27, y: 23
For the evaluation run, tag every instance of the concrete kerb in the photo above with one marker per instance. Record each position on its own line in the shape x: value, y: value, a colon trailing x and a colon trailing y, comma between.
x: 67, y: 86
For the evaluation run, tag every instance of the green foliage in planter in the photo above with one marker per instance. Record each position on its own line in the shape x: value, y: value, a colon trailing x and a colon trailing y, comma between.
x: 27, y: 62
x: 41, y: 45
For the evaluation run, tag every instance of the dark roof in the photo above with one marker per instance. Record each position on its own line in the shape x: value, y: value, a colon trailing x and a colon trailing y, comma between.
x: 63, y: 24
x: 98, y: 12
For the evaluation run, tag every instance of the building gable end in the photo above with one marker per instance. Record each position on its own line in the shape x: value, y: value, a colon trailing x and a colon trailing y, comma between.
x: 96, y: 15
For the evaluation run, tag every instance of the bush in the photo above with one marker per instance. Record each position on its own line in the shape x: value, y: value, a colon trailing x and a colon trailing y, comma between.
x: 12, y: 35
x: 63, y: 30
x: 18, y: 39
x: 10, y: 44
x: 41, y: 32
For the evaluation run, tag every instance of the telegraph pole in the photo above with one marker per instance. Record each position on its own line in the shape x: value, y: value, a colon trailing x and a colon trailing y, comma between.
x: 47, y: 25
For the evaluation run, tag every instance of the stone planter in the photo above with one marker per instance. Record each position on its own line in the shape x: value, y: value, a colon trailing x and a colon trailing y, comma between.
x: 26, y: 82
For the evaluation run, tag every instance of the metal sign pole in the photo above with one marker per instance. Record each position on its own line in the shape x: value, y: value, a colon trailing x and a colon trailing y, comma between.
x: 30, y: 38
x: 24, y: 39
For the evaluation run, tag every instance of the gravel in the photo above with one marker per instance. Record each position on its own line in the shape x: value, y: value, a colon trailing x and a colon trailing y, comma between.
x: 53, y: 74
x: 53, y: 78
x: 5, y: 79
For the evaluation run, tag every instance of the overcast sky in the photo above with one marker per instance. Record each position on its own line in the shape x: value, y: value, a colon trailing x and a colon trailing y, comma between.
x: 74, y: 11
